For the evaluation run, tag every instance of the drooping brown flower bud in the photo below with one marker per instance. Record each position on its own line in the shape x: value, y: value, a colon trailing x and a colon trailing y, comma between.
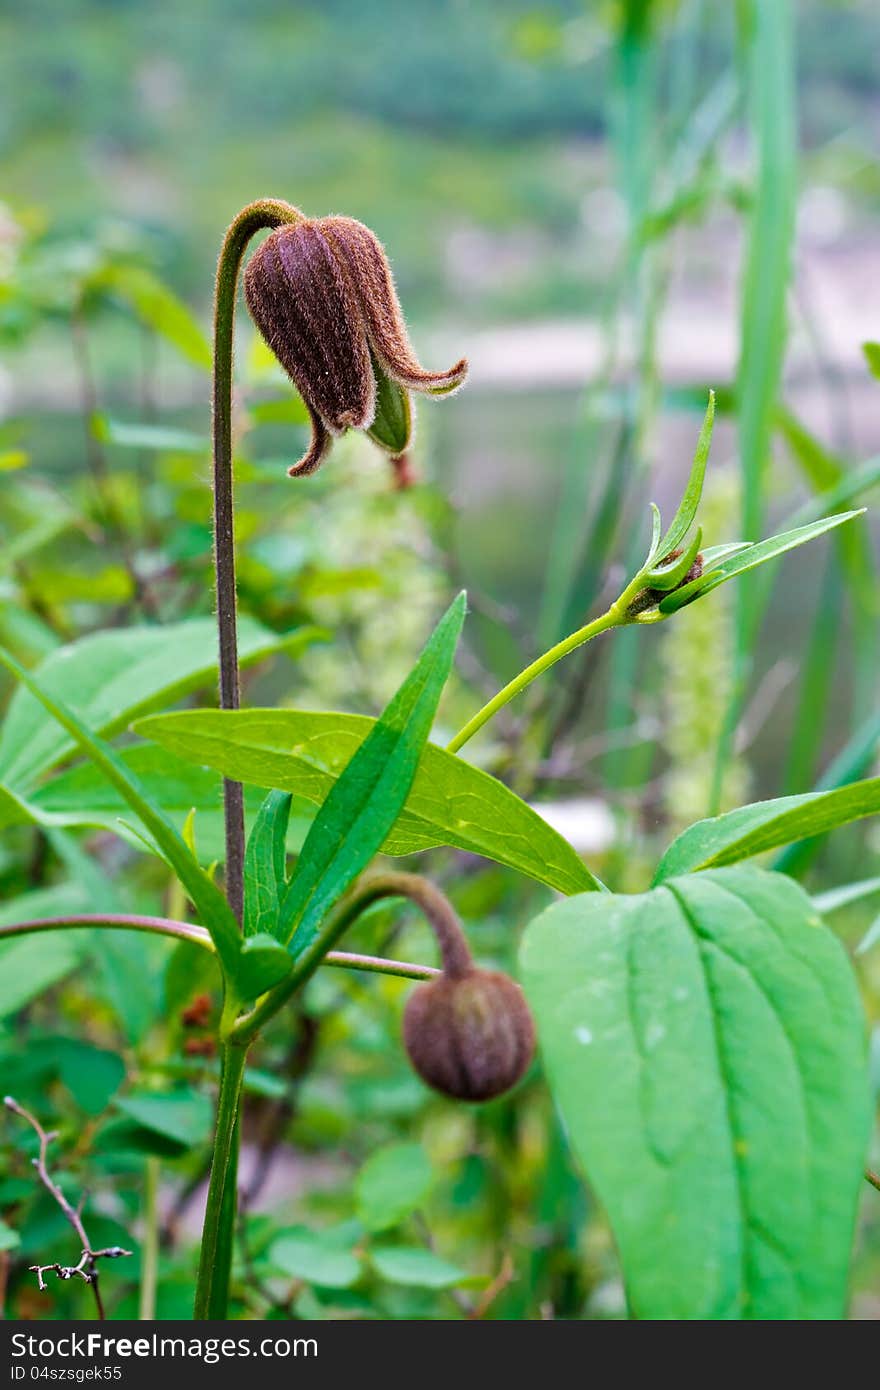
x: 321, y: 293
x: 470, y: 1035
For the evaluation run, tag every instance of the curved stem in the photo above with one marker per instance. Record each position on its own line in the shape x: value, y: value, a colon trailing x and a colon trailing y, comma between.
x: 116, y: 921
x: 267, y: 212
x: 187, y: 931
x: 215, y: 1259
x: 612, y: 618
x: 439, y: 912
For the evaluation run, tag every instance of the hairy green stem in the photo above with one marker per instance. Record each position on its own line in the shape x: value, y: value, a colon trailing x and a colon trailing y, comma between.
x: 266, y: 213
x: 218, y: 1233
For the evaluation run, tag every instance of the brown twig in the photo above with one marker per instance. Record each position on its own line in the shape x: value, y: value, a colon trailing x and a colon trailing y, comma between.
x: 86, y: 1269
x: 505, y: 1276
x: 873, y: 1178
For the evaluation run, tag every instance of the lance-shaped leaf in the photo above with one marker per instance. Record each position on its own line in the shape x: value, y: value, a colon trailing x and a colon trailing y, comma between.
x: 750, y: 558
x: 210, y: 902
x: 705, y: 1044
x: 108, y: 678
x: 687, y: 508
x: 365, y: 802
x: 451, y: 802
x: 265, y: 878
x: 764, y: 825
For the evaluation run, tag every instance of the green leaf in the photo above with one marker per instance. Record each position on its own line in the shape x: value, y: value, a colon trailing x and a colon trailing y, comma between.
x: 263, y: 962
x: 265, y: 865
x: 157, y: 307
x: 108, y: 678
x: 82, y: 796
x: 313, y: 1256
x: 764, y: 825
x: 126, y: 434
x: 687, y: 507
x: 451, y: 801
x: 9, y: 1239
x: 393, y: 1183
x: 210, y: 902
x: 749, y: 559
x: 872, y: 357
x: 404, y: 1264
x: 184, y: 1116
x: 706, y: 1046
x: 92, y: 1075
x: 56, y: 901
x: 392, y: 424
x: 29, y: 965
x: 847, y: 893
x: 362, y: 806
x: 289, y: 410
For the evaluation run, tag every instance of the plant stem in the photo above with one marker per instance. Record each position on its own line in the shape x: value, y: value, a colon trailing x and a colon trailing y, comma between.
x: 187, y: 931
x: 150, y: 1243
x: 389, y: 885
x: 268, y: 212
x: 215, y: 1260
x: 614, y: 617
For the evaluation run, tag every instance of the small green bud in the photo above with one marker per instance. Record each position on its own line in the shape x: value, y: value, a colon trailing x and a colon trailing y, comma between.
x: 650, y: 598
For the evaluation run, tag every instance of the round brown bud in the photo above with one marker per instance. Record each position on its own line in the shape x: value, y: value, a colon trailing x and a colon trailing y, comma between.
x: 469, y: 1035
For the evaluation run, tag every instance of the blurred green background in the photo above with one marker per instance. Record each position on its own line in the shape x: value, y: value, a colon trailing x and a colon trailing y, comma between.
x: 571, y: 194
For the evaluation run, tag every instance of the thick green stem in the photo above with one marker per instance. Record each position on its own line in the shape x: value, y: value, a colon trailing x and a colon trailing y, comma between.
x: 215, y: 1261
x: 268, y: 212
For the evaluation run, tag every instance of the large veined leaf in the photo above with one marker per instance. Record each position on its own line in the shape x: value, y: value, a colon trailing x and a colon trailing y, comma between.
x: 108, y: 678
x: 764, y: 825
x: 366, y: 799
x: 450, y: 803
x: 706, y: 1047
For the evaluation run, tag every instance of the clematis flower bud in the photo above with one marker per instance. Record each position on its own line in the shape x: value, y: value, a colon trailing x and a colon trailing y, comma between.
x: 470, y: 1036
x: 468, y: 1031
x: 321, y: 293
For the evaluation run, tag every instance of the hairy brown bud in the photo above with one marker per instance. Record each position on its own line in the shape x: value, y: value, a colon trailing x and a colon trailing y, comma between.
x: 469, y: 1035
x: 321, y: 293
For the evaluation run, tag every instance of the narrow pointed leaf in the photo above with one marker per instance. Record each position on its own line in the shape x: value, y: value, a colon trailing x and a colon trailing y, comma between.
x: 364, y: 803
x: 451, y: 801
x: 210, y: 902
x: 687, y: 508
x: 749, y: 559
x: 764, y: 825
x: 109, y: 678
x: 265, y: 863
